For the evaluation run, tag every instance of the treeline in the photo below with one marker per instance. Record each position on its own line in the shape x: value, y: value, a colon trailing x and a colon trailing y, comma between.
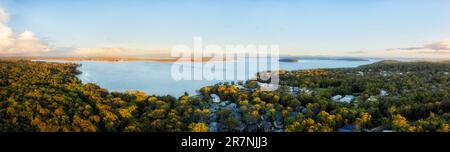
x: 38, y: 96
x: 388, y: 96
x: 403, y: 96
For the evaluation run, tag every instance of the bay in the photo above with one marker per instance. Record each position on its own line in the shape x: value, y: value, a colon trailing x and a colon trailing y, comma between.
x: 156, y: 77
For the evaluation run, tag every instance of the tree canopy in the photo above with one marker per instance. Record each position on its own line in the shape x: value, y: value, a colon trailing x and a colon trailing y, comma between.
x: 388, y: 95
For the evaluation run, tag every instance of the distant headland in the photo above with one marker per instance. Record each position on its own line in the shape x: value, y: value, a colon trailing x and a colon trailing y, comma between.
x: 299, y: 58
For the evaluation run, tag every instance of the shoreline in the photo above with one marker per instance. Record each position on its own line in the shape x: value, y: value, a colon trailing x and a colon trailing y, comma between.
x: 152, y: 59
x: 117, y: 59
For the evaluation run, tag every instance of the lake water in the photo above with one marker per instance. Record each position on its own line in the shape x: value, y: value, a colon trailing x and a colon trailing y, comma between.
x: 156, y: 77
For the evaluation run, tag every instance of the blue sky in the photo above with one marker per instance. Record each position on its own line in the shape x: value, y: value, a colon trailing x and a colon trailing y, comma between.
x: 299, y: 27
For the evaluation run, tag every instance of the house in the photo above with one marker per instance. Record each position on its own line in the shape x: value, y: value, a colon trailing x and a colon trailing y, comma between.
x: 267, y: 86
x: 372, y: 98
x: 383, y: 93
x: 215, y: 98
x: 223, y: 104
x: 347, y: 98
x: 376, y: 129
x: 278, y: 125
x: 336, y: 97
x: 384, y: 73
x: 240, y: 87
x: 307, y: 91
x: 294, y: 89
x: 360, y: 73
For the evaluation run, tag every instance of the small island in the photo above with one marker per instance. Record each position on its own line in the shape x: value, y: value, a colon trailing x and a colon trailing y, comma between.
x: 289, y: 60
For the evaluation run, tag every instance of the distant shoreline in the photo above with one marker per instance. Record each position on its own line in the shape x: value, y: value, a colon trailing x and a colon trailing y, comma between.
x: 119, y: 59
x: 299, y: 58
x: 206, y: 59
x: 168, y: 59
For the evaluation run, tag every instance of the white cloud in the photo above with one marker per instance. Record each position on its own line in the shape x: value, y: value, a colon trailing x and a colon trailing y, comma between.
x: 443, y: 45
x: 25, y: 43
x: 4, y: 17
x: 440, y: 45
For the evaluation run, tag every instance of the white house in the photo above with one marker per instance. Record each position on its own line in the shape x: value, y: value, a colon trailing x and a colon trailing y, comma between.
x: 267, y: 86
x: 215, y: 98
x: 383, y: 93
x: 347, y: 98
x: 336, y: 97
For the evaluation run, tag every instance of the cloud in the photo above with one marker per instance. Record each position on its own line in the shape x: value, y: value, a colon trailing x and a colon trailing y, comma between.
x: 358, y: 52
x: 4, y: 17
x: 435, y: 52
x: 25, y: 43
x: 439, y: 46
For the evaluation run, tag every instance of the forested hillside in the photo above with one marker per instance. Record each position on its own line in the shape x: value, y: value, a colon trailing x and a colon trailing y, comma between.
x: 385, y: 96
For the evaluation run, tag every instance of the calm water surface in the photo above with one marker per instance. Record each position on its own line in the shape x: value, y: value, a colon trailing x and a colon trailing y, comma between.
x: 156, y: 77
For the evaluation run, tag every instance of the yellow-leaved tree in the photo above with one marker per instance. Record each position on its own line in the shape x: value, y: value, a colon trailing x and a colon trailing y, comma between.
x: 198, y: 127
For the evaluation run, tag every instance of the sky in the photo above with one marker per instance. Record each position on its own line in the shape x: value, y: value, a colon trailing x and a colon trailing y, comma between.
x: 369, y: 28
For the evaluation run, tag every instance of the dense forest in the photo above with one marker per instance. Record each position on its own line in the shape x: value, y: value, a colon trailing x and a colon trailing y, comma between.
x: 384, y: 96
